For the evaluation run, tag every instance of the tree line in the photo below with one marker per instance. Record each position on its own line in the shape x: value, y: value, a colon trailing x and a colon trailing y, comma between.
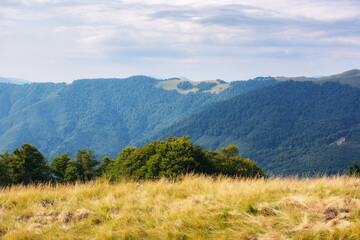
x: 170, y: 159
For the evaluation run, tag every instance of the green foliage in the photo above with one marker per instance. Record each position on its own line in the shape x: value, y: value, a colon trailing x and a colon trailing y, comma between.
x: 83, y: 168
x: 101, y: 114
x: 105, y: 164
x: 71, y: 173
x: 85, y: 164
x: 178, y: 156
x: 229, y: 163
x: 60, y: 165
x: 169, y: 159
x: 28, y: 165
x: 288, y: 128
x: 354, y: 170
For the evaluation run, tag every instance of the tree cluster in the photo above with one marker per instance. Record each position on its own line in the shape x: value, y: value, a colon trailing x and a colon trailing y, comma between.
x: 185, y: 85
x: 203, y: 86
x: 27, y: 165
x: 178, y: 156
x: 170, y: 159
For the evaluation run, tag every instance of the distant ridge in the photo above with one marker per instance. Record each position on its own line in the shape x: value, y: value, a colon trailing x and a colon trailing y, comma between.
x: 13, y: 80
x: 347, y: 74
x: 351, y: 77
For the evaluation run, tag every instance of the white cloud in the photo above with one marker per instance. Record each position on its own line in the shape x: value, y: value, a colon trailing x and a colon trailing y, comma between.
x: 131, y: 34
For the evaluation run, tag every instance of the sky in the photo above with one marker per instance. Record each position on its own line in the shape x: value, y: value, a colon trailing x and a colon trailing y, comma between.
x: 63, y: 40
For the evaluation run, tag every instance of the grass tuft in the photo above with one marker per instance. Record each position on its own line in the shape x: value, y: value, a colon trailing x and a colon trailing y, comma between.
x: 195, y: 207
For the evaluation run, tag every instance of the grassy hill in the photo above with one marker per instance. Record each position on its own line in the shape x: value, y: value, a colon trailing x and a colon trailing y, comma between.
x: 288, y: 128
x: 196, y: 207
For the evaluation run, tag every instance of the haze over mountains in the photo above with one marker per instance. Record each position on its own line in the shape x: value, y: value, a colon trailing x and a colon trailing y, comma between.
x: 13, y: 80
x: 288, y: 127
x: 350, y: 77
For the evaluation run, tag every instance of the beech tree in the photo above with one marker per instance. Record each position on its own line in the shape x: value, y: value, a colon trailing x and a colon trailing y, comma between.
x: 60, y: 164
x: 29, y: 165
x: 86, y: 165
x: 177, y: 156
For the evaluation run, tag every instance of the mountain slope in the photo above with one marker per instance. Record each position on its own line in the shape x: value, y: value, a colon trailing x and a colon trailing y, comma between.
x: 288, y: 128
x: 105, y: 115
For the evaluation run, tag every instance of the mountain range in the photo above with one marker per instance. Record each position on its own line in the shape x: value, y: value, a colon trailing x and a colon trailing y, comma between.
x: 105, y: 115
x: 288, y: 125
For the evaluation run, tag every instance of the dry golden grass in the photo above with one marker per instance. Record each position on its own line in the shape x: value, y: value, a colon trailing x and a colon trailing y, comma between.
x: 172, y: 85
x: 196, y: 207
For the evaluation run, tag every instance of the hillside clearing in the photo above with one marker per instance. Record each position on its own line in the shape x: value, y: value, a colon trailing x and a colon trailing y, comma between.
x: 197, y: 207
x: 173, y: 85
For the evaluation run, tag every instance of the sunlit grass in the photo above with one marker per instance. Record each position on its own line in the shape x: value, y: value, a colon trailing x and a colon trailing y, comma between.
x: 197, y: 207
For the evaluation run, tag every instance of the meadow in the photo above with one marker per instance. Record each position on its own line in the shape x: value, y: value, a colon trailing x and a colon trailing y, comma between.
x: 194, y: 207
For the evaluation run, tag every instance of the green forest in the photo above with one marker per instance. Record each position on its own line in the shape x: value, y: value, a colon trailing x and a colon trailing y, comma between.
x: 88, y: 113
x: 170, y: 159
x: 300, y: 121
x: 289, y: 128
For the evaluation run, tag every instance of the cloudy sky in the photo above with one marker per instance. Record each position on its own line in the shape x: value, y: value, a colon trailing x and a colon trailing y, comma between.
x: 63, y: 40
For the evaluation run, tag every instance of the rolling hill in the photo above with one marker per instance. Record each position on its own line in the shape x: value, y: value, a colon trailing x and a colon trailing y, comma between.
x: 291, y: 127
x: 104, y: 115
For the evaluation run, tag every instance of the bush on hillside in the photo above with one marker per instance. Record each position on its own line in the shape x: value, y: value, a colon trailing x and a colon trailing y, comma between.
x: 170, y: 159
x: 178, y: 156
x: 25, y: 165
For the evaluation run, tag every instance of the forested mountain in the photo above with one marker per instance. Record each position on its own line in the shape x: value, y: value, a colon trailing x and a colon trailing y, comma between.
x: 288, y: 128
x: 104, y: 115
